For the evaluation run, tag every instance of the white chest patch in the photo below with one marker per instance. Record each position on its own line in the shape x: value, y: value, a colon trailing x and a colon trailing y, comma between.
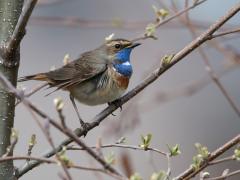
x: 126, y: 63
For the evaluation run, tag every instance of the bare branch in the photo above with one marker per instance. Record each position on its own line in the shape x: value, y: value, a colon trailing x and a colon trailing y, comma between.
x: 191, y: 172
x: 19, y: 30
x: 234, y: 173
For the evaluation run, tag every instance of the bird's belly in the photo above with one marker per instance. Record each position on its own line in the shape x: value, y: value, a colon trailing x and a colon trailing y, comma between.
x: 88, y: 93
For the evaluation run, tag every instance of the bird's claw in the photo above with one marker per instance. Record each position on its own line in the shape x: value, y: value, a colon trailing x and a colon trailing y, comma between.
x: 117, y: 103
x: 85, y: 127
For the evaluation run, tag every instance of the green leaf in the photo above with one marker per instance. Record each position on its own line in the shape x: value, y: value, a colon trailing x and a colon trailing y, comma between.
x: 167, y: 59
x: 197, y: 161
x: 174, y: 150
x: 203, y: 153
x: 63, y: 158
x: 160, y: 13
x: 237, y: 154
x: 150, y: 30
x: 32, y: 140
x: 146, y: 141
x: 202, y: 150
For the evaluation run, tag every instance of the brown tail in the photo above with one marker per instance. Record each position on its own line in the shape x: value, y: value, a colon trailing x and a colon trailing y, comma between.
x: 39, y: 77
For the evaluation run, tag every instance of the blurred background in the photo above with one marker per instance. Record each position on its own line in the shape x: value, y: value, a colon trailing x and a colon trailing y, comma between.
x: 182, y: 107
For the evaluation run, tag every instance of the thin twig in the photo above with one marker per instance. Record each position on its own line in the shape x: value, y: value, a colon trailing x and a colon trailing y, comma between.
x: 62, y: 118
x: 168, y: 173
x: 19, y: 30
x: 225, y: 33
x: 121, y: 146
x: 160, y: 23
x: 32, y: 91
x: 230, y: 158
x: 8, y: 158
x: 223, y: 177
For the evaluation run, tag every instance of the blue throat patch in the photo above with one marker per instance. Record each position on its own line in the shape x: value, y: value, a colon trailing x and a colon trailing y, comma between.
x: 124, y: 67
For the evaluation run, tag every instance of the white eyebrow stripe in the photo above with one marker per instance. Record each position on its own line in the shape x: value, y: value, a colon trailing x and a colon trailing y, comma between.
x: 126, y: 63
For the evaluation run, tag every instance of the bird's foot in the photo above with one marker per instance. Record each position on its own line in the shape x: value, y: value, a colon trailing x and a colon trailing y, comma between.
x: 117, y: 103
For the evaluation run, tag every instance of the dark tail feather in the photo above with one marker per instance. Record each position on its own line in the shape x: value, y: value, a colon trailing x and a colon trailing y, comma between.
x: 39, y: 77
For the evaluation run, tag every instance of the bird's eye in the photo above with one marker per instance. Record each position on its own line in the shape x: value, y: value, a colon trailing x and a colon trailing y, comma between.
x: 117, y: 46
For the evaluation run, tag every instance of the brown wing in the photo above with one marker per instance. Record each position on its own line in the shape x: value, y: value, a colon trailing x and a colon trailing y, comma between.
x: 77, y: 71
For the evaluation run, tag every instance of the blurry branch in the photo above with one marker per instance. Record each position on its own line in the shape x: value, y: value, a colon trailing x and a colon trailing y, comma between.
x: 230, y: 54
x: 209, y: 68
x: 74, y: 22
x: 190, y: 89
x: 127, y: 120
x: 150, y: 79
x: 19, y: 30
x: 192, y: 172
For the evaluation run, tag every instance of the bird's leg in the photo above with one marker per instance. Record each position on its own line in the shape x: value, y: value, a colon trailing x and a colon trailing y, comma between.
x: 83, y: 124
x: 117, y: 103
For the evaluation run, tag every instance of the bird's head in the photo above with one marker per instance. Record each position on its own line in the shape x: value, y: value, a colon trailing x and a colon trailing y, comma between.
x: 118, y: 50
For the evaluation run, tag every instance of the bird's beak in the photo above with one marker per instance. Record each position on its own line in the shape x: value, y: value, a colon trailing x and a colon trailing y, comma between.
x: 133, y: 45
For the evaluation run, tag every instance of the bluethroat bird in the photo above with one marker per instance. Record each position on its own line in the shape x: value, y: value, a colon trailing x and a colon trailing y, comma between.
x: 96, y: 77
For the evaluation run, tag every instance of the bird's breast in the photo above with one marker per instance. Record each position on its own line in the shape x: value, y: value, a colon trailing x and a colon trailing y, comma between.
x: 102, y: 89
x: 121, y: 80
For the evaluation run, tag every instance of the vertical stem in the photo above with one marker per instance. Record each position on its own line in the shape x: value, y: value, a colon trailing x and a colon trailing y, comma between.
x: 10, y: 11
